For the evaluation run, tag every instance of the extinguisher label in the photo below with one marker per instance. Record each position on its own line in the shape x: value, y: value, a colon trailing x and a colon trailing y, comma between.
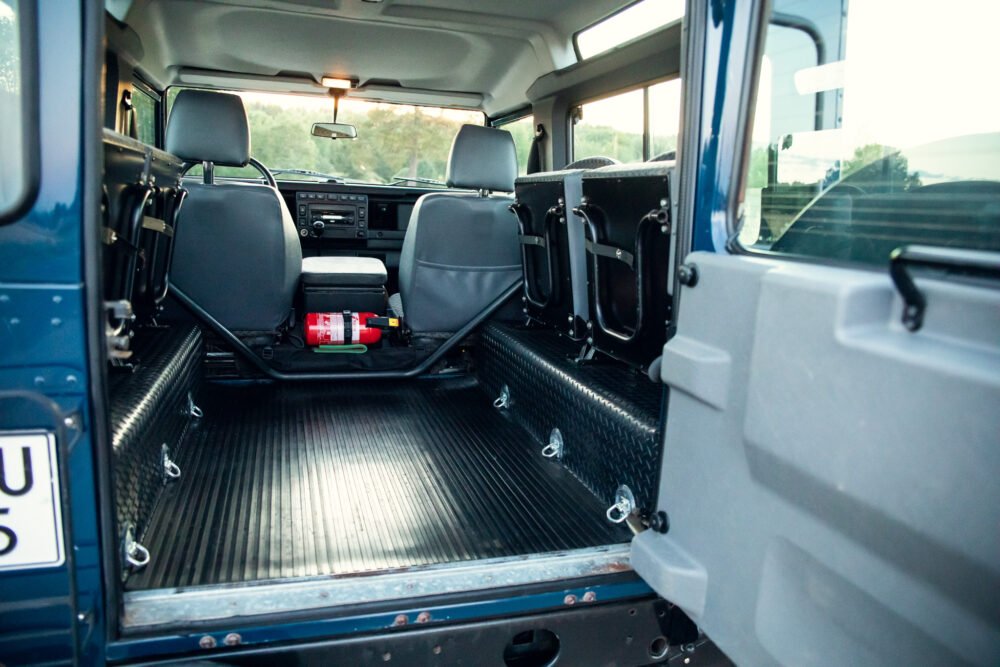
x: 331, y: 328
x: 355, y: 328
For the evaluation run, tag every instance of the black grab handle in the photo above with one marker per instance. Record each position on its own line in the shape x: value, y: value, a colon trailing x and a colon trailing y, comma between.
x: 959, y: 260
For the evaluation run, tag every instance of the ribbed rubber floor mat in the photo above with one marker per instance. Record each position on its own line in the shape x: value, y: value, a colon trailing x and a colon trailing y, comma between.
x: 303, y: 480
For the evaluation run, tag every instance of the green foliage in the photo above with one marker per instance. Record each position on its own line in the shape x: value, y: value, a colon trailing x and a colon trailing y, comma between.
x: 879, y: 168
x: 393, y: 141
x: 523, y: 132
x: 757, y: 177
x: 398, y: 141
x: 594, y: 140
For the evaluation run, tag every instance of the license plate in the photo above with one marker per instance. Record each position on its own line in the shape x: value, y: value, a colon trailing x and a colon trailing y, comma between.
x: 31, y: 532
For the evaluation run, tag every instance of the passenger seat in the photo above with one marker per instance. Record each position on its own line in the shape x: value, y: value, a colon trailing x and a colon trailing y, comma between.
x: 237, y: 251
x: 461, y: 250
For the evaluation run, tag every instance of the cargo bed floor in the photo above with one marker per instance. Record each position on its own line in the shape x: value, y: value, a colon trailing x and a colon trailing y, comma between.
x: 302, y: 480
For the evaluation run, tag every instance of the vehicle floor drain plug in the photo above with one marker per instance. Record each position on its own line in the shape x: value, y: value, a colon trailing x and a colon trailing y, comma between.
x: 554, y: 450
x: 624, y: 504
x: 503, y: 400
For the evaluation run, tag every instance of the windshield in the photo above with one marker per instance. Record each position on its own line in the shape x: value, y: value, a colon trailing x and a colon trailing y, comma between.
x: 396, y: 143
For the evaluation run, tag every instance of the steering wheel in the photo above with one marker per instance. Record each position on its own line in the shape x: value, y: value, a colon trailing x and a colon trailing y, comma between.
x: 254, y: 162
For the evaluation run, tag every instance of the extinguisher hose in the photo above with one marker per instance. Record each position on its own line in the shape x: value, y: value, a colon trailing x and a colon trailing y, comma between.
x: 341, y: 349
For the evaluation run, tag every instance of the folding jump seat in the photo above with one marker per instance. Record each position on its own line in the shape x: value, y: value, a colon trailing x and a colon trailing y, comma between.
x: 626, y: 213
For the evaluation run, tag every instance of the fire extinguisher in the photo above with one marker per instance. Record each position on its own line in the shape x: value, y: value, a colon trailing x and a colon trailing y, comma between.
x: 345, y: 328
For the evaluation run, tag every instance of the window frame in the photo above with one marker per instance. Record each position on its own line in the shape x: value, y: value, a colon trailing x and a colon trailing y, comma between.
x: 646, y: 138
x: 27, y: 27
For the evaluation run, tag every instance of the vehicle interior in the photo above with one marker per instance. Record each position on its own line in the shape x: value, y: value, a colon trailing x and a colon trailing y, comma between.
x: 384, y: 297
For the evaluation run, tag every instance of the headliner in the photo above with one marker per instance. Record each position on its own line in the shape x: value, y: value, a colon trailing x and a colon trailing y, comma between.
x: 491, y: 51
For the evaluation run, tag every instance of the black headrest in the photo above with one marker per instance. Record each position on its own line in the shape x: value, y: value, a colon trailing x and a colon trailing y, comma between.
x: 209, y: 127
x: 482, y: 158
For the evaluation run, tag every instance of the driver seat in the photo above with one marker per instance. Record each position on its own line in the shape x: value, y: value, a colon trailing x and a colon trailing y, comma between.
x: 237, y: 252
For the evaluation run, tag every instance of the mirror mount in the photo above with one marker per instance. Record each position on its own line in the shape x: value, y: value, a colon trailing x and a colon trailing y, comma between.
x: 335, y: 130
x: 336, y: 94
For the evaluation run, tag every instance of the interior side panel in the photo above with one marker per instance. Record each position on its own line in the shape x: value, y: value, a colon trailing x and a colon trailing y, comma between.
x: 826, y: 468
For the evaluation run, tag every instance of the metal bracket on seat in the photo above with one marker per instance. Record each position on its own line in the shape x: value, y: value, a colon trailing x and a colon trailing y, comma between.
x: 611, y: 252
x: 529, y: 239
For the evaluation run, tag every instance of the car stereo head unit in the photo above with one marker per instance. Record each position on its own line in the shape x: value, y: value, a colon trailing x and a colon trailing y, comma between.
x: 331, y: 215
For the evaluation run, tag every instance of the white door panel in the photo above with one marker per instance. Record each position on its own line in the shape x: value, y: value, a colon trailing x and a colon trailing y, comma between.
x: 830, y: 477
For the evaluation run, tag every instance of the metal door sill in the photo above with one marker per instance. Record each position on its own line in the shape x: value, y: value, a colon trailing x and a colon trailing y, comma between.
x: 150, y: 610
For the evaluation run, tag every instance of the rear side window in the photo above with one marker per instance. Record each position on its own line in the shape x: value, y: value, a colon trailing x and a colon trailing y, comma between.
x: 18, y: 129
x: 523, y: 132
x: 630, y: 127
x: 144, y: 107
x: 875, y: 127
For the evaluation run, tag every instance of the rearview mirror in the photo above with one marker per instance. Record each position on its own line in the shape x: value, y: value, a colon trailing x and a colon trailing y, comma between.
x: 334, y: 131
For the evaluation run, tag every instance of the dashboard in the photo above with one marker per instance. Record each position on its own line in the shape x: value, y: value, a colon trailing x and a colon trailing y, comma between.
x: 350, y: 219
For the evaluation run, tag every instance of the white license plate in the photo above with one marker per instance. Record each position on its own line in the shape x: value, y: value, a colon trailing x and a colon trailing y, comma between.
x: 31, y: 532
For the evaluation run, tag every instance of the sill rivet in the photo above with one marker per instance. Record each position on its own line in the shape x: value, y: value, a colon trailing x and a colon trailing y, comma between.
x: 569, y: 600
x: 208, y: 641
x: 233, y: 639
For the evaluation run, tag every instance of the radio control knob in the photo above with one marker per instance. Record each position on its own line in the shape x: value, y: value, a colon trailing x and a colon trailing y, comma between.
x: 303, y: 232
x: 318, y: 227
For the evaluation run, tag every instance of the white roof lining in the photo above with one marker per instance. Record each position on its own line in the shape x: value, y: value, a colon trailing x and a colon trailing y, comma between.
x: 295, y: 41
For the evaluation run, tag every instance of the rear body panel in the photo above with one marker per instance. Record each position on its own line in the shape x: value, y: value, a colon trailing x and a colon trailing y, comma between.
x: 53, y: 614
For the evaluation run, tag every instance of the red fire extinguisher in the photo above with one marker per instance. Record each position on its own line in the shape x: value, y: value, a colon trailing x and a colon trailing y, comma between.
x: 345, y: 328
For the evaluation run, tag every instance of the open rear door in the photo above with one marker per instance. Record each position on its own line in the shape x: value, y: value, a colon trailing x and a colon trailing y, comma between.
x: 831, y: 469
x: 830, y: 477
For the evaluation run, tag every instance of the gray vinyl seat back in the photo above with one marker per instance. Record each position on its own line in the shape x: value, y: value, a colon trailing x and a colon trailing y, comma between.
x: 237, y: 251
x: 461, y: 250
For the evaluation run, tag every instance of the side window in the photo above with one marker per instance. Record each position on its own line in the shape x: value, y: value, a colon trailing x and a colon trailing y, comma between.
x: 864, y: 140
x: 18, y: 95
x: 630, y: 127
x: 611, y: 127
x: 145, y: 116
x: 523, y: 131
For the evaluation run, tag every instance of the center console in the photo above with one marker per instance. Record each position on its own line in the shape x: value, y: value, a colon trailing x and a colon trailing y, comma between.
x: 335, y: 284
x: 331, y: 215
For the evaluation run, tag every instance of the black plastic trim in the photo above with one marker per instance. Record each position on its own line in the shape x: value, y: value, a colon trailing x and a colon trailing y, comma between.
x: 511, y: 116
x: 92, y: 151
